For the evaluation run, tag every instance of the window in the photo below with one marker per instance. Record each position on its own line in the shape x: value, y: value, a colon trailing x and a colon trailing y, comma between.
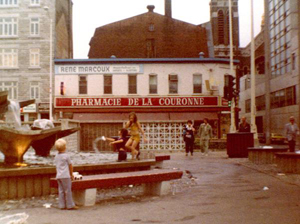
x: 197, y: 80
x: 260, y: 103
x: 34, y: 26
x: 248, y: 106
x: 82, y: 84
x: 150, y: 46
x: 283, y: 98
x: 35, y: 2
x: 34, y: 57
x: 107, y: 84
x: 152, y: 84
x: 34, y: 90
x: 11, y: 87
x: 220, y: 27
x: 8, y: 58
x: 132, y: 81
x: 293, y: 61
x: 8, y: 3
x: 8, y: 27
x: 173, y: 84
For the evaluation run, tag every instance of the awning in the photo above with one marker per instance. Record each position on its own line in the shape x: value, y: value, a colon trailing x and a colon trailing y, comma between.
x: 184, y: 116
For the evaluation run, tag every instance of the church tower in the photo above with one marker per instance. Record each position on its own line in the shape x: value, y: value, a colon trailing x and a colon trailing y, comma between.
x: 219, y: 17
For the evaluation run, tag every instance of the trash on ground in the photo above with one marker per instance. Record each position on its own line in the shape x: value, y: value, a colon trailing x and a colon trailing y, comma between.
x: 265, y: 188
x: 47, y: 205
x: 280, y: 174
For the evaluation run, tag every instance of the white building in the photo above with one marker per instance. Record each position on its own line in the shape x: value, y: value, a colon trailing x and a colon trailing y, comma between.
x: 158, y: 90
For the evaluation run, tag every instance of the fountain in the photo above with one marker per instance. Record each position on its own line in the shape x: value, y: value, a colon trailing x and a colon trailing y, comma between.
x: 16, y: 140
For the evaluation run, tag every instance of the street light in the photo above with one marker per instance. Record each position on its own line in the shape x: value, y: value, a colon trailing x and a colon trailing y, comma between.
x: 46, y: 8
x: 253, y: 106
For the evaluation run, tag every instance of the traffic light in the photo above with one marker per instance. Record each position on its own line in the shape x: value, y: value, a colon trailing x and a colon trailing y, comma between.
x: 229, y: 103
x: 229, y: 91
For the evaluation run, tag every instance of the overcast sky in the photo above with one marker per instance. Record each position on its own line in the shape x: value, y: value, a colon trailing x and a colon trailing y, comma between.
x: 90, y: 14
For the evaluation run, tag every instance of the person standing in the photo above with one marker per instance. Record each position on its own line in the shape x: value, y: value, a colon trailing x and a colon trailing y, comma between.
x: 134, y: 140
x: 189, y: 138
x: 205, y: 134
x: 291, y: 131
x: 64, y: 176
x: 244, y: 125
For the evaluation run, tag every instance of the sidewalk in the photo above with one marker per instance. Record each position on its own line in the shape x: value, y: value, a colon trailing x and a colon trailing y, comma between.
x: 214, y: 190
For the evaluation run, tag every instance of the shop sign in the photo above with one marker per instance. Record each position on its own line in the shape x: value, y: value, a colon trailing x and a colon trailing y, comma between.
x: 29, y: 109
x: 137, y: 102
x: 98, y: 69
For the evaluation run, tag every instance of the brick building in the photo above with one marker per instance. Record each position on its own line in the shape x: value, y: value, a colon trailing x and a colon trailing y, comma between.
x: 25, y: 49
x: 151, y: 35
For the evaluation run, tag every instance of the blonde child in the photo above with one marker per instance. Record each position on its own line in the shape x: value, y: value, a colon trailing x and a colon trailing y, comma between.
x: 64, y: 176
x: 135, y: 129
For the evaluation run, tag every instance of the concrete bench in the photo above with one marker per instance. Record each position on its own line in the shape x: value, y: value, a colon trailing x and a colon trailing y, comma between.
x: 160, y: 159
x: 156, y: 182
x: 288, y: 162
x: 264, y: 154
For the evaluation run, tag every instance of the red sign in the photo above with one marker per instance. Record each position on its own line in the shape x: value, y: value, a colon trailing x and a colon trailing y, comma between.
x: 78, y: 102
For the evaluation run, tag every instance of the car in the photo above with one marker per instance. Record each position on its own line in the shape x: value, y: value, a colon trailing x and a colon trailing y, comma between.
x: 277, y: 138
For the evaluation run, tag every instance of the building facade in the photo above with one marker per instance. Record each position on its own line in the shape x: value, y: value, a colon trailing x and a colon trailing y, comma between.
x: 277, y: 91
x: 161, y: 36
x: 25, y: 44
x: 164, y: 93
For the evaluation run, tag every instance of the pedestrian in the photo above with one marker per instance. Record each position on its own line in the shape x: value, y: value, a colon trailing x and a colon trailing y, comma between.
x: 120, y: 144
x: 205, y: 134
x: 291, y: 131
x: 135, y: 128
x: 244, y: 125
x: 189, y: 138
x: 64, y: 176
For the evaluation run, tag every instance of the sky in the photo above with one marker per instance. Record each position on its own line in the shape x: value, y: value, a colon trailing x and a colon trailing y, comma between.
x: 90, y: 14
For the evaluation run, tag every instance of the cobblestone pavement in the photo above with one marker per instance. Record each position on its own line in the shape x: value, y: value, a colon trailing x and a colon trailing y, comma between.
x: 214, y: 189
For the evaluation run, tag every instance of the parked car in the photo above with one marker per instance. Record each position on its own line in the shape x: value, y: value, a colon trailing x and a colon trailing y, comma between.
x: 277, y: 138
x: 261, y: 137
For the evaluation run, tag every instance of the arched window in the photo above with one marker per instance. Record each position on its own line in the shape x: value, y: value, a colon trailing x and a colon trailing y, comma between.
x: 220, y: 27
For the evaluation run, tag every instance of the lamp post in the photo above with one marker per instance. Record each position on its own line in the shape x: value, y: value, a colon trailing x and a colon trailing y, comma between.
x: 232, y: 123
x: 50, y: 65
x: 253, y: 106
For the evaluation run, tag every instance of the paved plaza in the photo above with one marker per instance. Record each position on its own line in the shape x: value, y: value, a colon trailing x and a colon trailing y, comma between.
x: 214, y: 190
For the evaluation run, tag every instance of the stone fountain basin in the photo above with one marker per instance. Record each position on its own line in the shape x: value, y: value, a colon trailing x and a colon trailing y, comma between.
x: 14, y: 143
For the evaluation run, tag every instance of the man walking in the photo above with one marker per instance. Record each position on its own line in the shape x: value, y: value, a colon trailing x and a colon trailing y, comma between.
x: 205, y: 133
x: 291, y: 130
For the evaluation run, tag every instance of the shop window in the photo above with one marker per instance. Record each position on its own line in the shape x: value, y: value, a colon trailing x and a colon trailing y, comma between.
x: 152, y: 84
x: 197, y: 83
x: 82, y: 84
x: 107, y: 84
x: 173, y: 84
x: 132, y: 84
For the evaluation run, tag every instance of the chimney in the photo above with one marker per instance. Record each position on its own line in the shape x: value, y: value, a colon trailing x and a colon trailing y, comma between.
x: 168, y: 8
x: 150, y: 8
